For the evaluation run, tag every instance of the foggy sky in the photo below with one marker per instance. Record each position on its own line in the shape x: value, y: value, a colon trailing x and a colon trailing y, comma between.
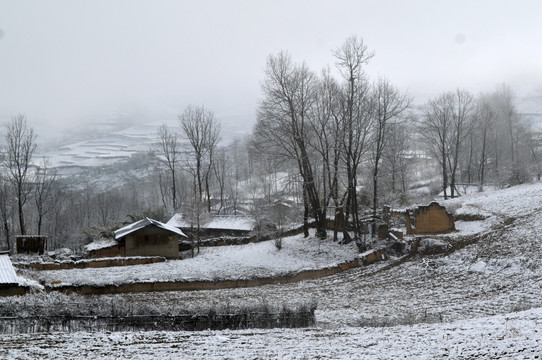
x: 66, y: 61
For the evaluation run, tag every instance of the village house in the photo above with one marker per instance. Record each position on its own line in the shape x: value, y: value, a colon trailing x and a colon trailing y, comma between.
x: 146, y: 237
x: 218, y: 226
x: 9, y: 284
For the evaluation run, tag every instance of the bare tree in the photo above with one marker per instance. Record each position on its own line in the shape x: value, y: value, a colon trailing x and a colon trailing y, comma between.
x: 44, y: 190
x: 446, y: 124
x: 7, y: 210
x: 328, y: 127
x: 397, y: 161
x: 388, y: 105
x: 462, y: 123
x: 202, y: 131
x: 485, y: 117
x: 21, y: 145
x: 220, y: 173
x: 168, y: 155
x: 351, y: 57
x: 282, y: 125
x: 435, y: 128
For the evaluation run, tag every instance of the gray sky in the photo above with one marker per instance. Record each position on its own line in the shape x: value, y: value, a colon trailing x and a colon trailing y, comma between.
x: 65, y: 61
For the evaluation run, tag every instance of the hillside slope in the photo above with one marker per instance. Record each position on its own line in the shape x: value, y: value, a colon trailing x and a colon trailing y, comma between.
x: 482, y: 300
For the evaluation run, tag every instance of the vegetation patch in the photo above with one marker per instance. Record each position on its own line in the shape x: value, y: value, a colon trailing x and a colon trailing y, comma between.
x: 55, y: 312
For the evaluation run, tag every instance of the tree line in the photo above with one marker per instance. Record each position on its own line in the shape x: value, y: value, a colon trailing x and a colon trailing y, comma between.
x: 333, y: 144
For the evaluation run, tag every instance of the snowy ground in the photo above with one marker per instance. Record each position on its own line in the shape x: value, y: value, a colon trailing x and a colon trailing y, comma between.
x: 481, y: 301
x: 515, y: 336
x: 216, y: 263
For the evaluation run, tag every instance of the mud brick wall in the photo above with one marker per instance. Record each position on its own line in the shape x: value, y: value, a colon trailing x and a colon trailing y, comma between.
x: 433, y: 219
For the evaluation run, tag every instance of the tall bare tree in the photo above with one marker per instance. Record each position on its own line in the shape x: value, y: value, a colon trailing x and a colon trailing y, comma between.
x: 328, y: 128
x: 435, y: 128
x: 397, y: 161
x: 21, y: 145
x: 388, y: 105
x: 351, y: 58
x: 202, y: 131
x: 168, y: 155
x: 462, y: 124
x: 44, y: 190
x: 7, y: 210
x: 283, y: 113
x: 485, y: 116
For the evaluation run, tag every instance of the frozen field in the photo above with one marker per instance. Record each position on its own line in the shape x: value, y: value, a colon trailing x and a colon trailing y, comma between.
x: 481, y: 301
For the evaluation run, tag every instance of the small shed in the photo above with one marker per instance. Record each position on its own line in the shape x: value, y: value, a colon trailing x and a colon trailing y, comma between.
x: 148, y: 237
x: 31, y: 244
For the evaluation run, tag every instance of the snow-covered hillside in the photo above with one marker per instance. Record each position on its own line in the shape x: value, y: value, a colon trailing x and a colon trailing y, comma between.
x: 483, y: 300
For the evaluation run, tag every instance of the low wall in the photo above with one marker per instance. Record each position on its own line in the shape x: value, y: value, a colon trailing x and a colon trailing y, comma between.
x: 372, y: 256
x: 97, y: 263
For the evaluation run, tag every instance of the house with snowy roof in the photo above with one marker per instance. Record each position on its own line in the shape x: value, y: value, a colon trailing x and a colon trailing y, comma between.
x: 9, y: 283
x: 218, y: 225
x: 146, y: 237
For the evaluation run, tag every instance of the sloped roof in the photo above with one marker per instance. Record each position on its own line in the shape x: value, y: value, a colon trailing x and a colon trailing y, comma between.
x: 7, y: 272
x: 222, y: 222
x: 122, y: 232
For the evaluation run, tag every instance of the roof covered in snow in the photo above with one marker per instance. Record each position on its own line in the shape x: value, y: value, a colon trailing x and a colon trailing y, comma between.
x: 7, y: 272
x: 222, y: 222
x: 122, y: 232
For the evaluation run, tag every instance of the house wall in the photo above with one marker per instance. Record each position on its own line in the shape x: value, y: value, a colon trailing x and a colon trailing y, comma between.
x: 11, y: 290
x: 152, y: 241
x: 112, y: 251
x: 31, y: 244
x: 212, y: 233
x: 433, y: 219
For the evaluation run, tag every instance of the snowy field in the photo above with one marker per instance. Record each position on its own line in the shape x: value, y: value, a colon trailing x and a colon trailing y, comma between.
x: 481, y: 301
x: 254, y: 260
x: 515, y: 336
